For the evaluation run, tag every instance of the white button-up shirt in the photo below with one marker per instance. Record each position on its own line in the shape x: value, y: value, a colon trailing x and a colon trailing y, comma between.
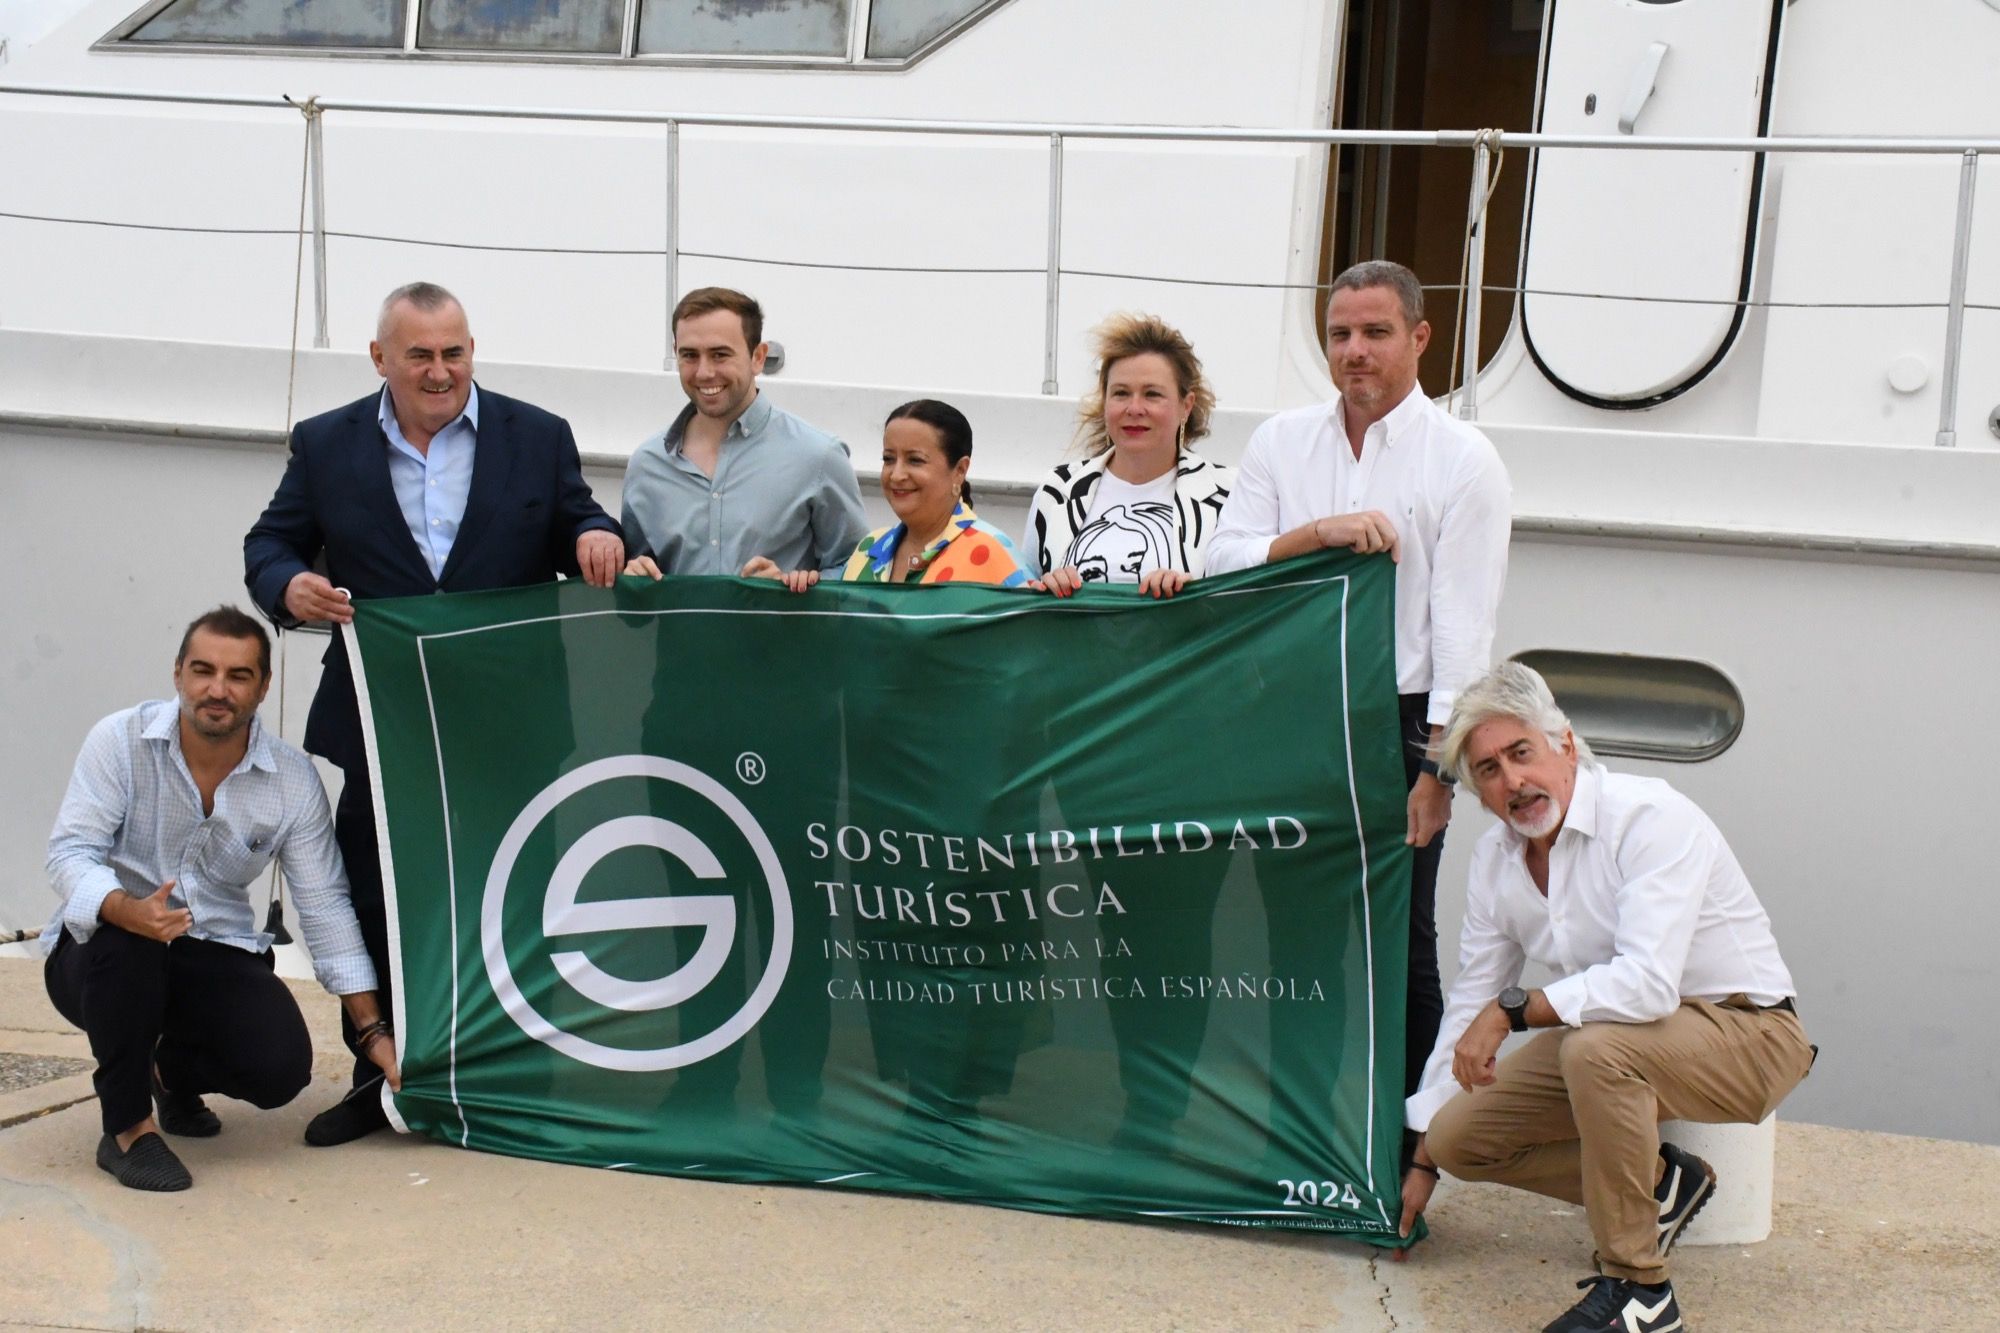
x: 132, y: 820
x: 1646, y: 906
x: 1439, y: 481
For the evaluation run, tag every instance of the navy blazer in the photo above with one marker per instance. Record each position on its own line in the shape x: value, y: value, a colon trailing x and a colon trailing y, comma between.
x: 527, y: 505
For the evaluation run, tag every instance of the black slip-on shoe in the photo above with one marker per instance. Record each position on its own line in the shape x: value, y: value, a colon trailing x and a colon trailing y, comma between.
x: 184, y: 1114
x: 149, y: 1164
x: 1619, y: 1305
x: 1683, y: 1189
x: 354, y: 1116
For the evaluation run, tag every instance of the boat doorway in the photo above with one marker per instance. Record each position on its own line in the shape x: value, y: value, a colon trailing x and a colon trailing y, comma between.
x: 1430, y: 64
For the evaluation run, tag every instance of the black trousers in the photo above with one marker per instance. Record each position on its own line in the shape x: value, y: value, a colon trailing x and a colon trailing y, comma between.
x: 354, y: 834
x: 213, y: 1017
x: 1425, y: 1011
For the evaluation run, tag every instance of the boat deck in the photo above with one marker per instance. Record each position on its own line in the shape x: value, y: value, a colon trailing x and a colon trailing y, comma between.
x: 1871, y: 1231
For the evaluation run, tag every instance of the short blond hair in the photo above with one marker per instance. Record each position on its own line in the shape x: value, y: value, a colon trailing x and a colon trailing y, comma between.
x: 1126, y: 335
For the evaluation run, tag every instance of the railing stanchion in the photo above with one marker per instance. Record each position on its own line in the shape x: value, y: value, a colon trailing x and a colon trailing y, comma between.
x: 316, y: 157
x: 673, y: 235
x: 1052, y: 300
x: 1475, y: 276
x: 1954, y: 323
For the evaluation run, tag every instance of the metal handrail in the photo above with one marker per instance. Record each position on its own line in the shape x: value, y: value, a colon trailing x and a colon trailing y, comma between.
x: 1480, y: 142
x: 1043, y: 129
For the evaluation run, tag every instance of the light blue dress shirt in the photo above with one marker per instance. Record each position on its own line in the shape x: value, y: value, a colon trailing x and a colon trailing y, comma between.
x: 431, y: 486
x: 132, y: 820
x: 781, y: 488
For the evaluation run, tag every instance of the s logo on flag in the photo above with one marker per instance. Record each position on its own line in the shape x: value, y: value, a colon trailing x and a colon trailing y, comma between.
x: 563, y: 915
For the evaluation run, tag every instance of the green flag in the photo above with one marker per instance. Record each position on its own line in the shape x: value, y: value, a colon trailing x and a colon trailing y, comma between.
x: 1095, y: 905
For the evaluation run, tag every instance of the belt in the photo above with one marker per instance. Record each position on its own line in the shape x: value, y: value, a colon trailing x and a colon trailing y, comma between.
x: 1784, y: 1004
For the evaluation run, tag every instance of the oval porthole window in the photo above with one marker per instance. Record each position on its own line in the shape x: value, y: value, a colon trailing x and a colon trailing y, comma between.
x: 1640, y: 707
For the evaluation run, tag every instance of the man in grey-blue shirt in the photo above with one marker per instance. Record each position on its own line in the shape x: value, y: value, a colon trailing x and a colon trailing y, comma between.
x: 735, y: 478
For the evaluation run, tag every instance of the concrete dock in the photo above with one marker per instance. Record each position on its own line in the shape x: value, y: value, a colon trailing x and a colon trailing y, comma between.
x: 1871, y: 1231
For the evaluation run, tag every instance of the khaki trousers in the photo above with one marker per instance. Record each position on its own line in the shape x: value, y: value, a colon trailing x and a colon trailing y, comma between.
x: 1575, y: 1113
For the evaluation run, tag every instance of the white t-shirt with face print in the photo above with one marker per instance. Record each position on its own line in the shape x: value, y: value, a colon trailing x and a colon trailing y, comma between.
x: 1130, y: 531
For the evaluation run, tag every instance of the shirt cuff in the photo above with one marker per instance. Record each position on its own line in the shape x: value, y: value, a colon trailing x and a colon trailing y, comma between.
x: 1567, y: 998
x: 80, y: 911
x: 1438, y: 712
x: 348, y: 975
x: 1419, y: 1108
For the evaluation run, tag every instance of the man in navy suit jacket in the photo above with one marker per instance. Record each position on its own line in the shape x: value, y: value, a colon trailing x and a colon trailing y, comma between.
x: 429, y: 486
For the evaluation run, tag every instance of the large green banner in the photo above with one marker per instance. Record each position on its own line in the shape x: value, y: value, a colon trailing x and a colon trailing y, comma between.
x: 1095, y: 906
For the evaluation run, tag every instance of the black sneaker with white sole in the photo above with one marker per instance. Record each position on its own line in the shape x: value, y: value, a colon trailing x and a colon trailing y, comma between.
x: 1618, y: 1305
x: 1684, y: 1187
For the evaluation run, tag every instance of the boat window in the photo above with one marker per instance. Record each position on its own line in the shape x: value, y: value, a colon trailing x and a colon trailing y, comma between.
x: 522, y: 25
x: 901, y: 28
x: 743, y: 27
x: 880, y: 34
x: 367, y: 23
x: 1642, y: 707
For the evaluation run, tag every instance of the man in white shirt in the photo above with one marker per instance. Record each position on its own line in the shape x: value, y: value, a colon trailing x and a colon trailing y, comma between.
x: 1673, y: 1002
x: 1381, y: 468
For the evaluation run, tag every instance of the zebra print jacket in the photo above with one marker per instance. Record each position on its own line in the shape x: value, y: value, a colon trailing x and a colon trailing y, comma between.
x: 1061, y: 508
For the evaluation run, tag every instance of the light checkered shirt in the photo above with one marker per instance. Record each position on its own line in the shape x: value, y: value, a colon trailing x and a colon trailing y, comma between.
x: 132, y: 820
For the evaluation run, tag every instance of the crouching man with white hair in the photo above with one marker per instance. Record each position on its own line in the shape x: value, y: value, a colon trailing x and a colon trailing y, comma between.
x: 1673, y: 1002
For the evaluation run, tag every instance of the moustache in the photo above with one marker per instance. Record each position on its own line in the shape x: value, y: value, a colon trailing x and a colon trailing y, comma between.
x: 1526, y: 796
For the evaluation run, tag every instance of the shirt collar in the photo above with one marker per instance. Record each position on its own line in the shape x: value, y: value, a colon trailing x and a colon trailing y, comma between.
x: 1579, y: 817
x: 165, y: 723
x: 1404, y: 414
x: 259, y: 754
x: 754, y: 418
x: 884, y: 548
x: 385, y: 414
x: 1396, y: 424
x: 165, y: 726
x: 749, y: 423
x: 1582, y: 813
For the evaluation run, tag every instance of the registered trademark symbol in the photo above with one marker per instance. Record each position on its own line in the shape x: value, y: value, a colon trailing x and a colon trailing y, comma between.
x: 750, y: 767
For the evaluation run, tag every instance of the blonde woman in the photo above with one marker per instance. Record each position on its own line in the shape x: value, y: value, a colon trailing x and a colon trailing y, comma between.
x: 1140, y: 506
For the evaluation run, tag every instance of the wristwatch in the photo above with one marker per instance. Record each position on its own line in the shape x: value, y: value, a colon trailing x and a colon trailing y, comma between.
x: 1430, y: 766
x: 1513, y: 1002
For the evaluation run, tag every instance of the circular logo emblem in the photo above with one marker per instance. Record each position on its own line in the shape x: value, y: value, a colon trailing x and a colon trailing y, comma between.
x: 564, y: 915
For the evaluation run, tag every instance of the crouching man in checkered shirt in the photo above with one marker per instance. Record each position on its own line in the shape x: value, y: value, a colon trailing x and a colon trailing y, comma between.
x: 175, y: 809
x: 1673, y: 1003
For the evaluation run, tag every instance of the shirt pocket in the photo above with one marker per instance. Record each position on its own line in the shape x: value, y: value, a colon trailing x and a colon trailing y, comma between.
x: 229, y: 856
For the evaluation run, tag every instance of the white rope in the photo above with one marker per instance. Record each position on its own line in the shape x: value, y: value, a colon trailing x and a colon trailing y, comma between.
x: 311, y: 111
x: 1496, y: 144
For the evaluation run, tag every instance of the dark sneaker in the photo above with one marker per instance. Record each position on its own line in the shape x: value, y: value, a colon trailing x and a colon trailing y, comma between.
x: 187, y: 1116
x: 149, y: 1164
x: 354, y: 1116
x: 1617, y: 1305
x: 1684, y: 1187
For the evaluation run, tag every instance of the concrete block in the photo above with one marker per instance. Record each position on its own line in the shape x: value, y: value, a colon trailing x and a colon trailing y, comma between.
x: 1744, y: 1156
